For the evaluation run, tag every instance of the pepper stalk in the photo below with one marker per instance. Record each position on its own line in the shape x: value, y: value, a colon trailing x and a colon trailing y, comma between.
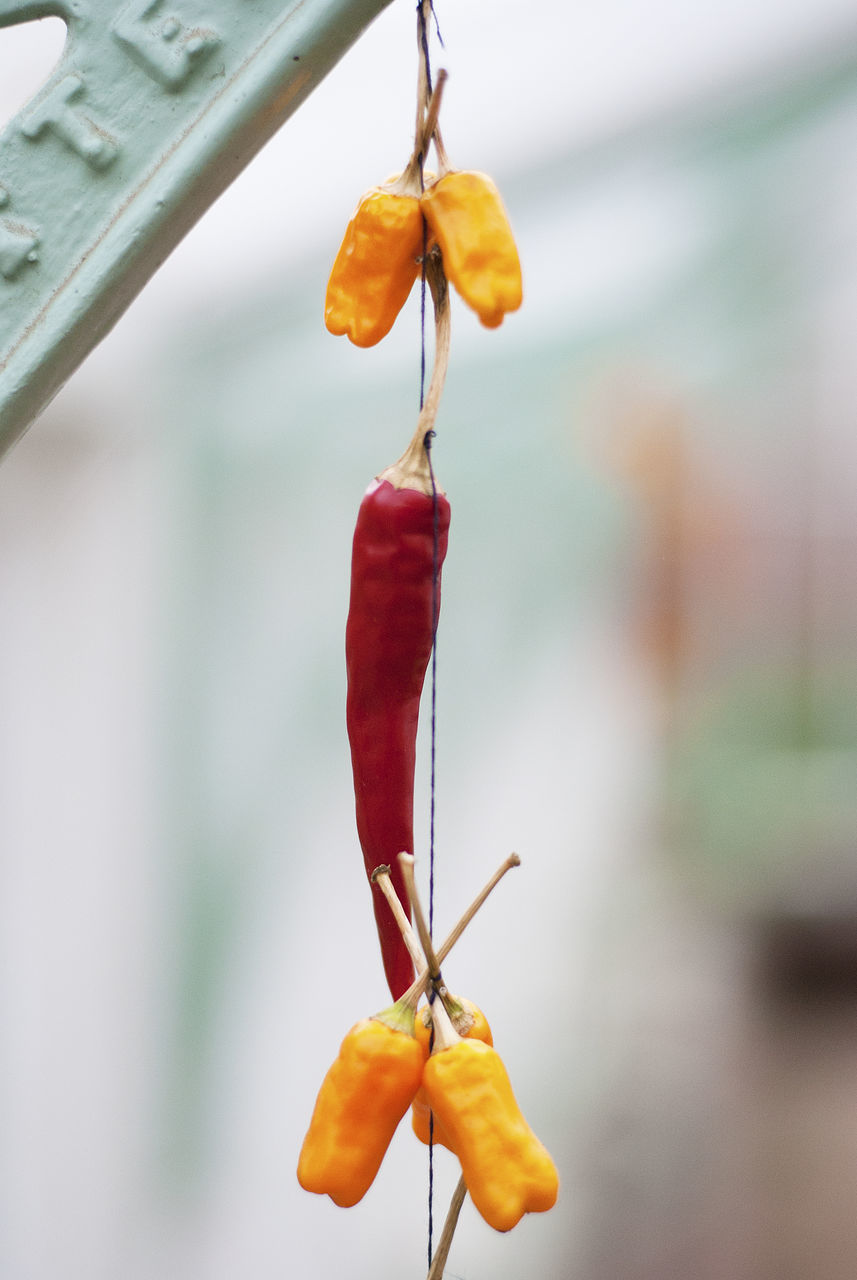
x: 381, y: 877
x: 412, y: 470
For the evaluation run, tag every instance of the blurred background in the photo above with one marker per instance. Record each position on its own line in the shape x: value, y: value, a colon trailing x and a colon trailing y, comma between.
x: 647, y: 677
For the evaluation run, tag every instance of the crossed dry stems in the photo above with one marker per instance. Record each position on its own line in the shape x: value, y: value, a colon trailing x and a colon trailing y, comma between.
x: 428, y: 964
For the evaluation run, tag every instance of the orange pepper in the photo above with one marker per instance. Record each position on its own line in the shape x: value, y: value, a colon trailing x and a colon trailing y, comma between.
x: 507, y: 1170
x: 465, y: 215
x: 377, y: 264
x: 361, y: 1101
x: 470, y: 1022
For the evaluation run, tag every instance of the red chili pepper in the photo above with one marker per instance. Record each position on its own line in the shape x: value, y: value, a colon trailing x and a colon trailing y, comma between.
x: 399, y: 546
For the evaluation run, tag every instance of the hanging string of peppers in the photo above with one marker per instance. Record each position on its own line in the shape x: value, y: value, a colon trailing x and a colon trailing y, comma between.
x: 448, y: 227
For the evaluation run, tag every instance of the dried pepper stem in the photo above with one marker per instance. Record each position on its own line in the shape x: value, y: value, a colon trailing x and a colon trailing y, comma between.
x: 423, y: 133
x: 411, y: 470
x: 381, y: 877
x: 410, y: 180
x: 420, y: 983
x: 445, y: 1034
x: 406, y: 862
x: 437, y: 283
x: 442, y: 1252
x: 423, y: 73
x: 512, y: 861
x: 430, y: 129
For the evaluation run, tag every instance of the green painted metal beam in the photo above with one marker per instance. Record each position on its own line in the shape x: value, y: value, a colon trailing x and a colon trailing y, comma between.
x: 153, y: 109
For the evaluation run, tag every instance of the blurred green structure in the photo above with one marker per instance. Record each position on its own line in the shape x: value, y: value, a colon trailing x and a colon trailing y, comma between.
x: 147, y: 117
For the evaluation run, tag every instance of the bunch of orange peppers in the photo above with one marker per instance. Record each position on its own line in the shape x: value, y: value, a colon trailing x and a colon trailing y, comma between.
x: 440, y: 1062
x: 395, y: 225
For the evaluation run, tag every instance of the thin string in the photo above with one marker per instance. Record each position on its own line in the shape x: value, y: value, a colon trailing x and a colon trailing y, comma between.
x: 423, y: 305
x: 434, y: 620
x: 434, y: 586
x: 435, y: 610
x: 424, y: 40
x: 427, y: 64
x: 431, y: 1187
x: 435, y: 570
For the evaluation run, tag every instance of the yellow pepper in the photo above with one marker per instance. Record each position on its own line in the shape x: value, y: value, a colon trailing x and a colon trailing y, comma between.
x: 470, y: 1022
x: 361, y: 1101
x: 376, y: 266
x: 465, y: 215
x: 507, y: 1170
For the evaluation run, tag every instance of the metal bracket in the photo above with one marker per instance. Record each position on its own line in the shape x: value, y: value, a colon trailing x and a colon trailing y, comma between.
x: 154, y: 108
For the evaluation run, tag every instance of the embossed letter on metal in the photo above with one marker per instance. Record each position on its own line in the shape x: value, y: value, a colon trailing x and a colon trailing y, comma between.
x: 18, y: 243
x: 54, y: 114
x: 167, y: 50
